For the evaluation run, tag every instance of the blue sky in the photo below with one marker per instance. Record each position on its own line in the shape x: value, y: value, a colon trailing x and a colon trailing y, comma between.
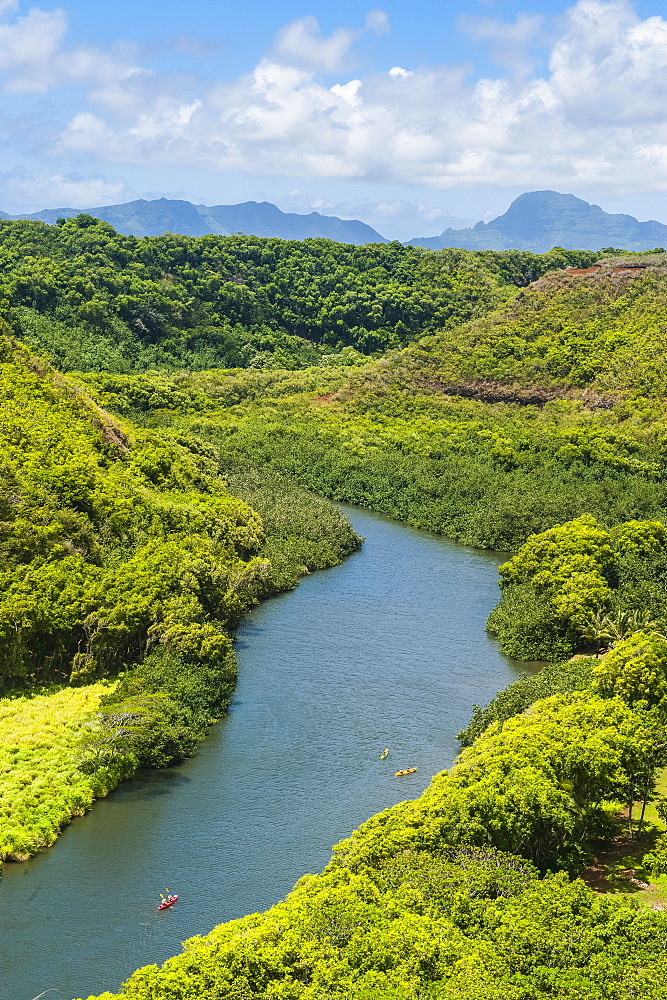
x: 404, y: 115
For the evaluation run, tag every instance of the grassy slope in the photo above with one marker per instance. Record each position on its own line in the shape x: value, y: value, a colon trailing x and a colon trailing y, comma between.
x: 603, y: 330
x: 41, y: 785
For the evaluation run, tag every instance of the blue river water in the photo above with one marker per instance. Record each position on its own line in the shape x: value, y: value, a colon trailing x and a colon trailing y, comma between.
x: 388, y: 649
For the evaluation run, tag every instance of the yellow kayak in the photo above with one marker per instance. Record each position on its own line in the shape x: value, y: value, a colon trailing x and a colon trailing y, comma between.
x: 385, y: 753
x: 408, y: 770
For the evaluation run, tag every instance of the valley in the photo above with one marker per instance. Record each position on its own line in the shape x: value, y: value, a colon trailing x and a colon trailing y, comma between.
x: 181, y: 419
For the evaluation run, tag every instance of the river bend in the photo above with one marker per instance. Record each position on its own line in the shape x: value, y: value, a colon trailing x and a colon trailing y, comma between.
x: 388, y: 649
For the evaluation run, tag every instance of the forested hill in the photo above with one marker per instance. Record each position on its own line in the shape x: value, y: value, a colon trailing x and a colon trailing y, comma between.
x: 599, y: 328
x: 92, y: 299
x: 505, y: 425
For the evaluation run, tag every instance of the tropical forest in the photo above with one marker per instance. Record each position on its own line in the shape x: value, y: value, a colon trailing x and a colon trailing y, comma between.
x: 187, y: 427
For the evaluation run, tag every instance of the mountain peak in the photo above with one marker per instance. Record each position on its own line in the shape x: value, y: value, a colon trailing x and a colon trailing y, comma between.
x: 540, y: 220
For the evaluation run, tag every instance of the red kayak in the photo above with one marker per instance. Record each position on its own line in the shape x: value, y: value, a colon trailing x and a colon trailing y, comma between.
x: 167, y: 902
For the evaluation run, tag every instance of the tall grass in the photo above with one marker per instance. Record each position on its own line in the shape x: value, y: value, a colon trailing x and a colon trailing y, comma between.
x: 41, y: 786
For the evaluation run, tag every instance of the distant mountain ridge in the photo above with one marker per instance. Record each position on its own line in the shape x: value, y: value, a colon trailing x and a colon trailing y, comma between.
x: 540, y: 220
x: 152, y: 218
x: 535, y: 221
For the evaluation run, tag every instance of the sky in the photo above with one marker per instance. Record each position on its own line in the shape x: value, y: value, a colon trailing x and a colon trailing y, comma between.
x: 411, y: 116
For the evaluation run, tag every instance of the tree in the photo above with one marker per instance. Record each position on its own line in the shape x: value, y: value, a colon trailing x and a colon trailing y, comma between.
x: 610, y: 629
x: 116, y: 735
x: 635, y: 670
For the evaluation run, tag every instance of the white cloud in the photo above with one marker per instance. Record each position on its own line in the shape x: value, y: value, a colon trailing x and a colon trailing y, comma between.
x: 510, y: 43
x: 595, y: 118
x: 301, y: 43
x: 488, y: 29
x: 609, y: 66
x: 28, y: 48
x: 349, y: 92
x: 377, y: 21
x: 25, y: 193
x: 33, y: 58
x: 396, y: 218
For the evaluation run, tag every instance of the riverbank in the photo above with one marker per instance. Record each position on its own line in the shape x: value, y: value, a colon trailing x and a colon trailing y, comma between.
x: 358, y: 657
x: 41, y: 784
x: 451, y: 895
x: 125, y: 558
x: 47, y: 776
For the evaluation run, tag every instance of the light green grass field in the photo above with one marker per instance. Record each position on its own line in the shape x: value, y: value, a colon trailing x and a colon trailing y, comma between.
x: 41, y: 787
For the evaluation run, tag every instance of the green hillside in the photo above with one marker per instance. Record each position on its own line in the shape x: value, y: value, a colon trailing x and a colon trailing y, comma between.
x: 603, y: 330
x: 92, y: 299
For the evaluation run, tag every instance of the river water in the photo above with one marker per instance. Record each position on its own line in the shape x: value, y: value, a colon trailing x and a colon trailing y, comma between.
x: 388, y: 649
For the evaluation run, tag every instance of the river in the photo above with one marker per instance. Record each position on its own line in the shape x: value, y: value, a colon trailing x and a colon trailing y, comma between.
x: 388, y: 649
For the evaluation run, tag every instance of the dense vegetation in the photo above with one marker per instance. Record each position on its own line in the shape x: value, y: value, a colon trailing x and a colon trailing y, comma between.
x: 424, y: 901
x: 129, y: 551
x: 554, y: 678
x: 487, y: 474
x: 604, y: 330
x: 123, y: 555
x: 455, y: 924
x: 95, y: 300
x: 110, y: 547
x: 579, y: 582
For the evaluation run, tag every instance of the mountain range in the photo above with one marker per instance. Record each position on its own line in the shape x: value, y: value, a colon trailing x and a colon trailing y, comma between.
x: 253, y: 218
x: 537, y: 221
x: 540, y: 220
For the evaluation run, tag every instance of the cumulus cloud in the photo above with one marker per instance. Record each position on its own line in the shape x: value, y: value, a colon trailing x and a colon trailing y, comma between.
x: 301, y: 43
x: 510, y: 42
x: 28, y: 49
x: 594, y: 118
x: 34, y: 59
x: 32, y: 192
x: 610, y: 66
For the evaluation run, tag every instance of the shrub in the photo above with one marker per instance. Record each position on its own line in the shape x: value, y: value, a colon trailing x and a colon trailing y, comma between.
x: 635, y: 670
x: 655, y: 862
x: 556, y: 678
x: 527, y: 627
